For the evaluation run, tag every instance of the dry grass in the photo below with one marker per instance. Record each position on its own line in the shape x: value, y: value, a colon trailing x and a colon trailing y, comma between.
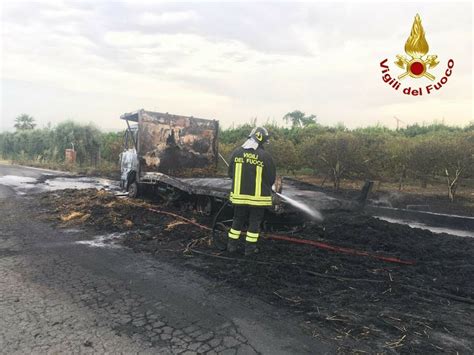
x: 74, y: 215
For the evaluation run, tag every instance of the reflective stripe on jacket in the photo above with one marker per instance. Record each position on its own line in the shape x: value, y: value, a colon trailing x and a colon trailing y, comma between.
x: 253, y: 174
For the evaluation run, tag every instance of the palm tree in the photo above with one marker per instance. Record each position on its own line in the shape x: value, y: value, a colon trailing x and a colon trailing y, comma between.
x: 24, y: 122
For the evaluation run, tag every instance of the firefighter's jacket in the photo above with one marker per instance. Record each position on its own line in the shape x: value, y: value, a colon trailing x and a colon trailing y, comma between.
x: 253, y: 174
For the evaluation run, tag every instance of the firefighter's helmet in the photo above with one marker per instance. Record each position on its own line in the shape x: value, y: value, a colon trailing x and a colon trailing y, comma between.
x: 260, y: 134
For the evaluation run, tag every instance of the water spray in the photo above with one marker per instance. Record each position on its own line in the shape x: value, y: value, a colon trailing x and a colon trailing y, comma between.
x: 225, y: 161
x: 311, y: 212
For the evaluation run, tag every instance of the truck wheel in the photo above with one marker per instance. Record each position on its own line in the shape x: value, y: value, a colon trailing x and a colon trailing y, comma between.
x: 133, y: 190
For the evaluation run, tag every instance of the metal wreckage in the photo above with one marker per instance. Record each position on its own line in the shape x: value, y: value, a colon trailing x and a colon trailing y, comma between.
x: 175, y: 157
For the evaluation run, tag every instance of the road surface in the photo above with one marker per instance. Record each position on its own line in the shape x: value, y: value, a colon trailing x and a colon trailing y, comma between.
x: 60, y: 296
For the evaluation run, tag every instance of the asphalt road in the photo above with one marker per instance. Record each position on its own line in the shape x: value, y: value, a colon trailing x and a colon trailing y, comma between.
x: 19, y: 171
x: 59, y: 296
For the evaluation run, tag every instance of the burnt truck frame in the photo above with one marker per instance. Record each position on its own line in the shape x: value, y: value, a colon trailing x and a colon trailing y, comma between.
x: 174, y: 156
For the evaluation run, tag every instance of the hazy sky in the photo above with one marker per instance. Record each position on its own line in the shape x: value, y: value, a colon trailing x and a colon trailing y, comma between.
x: 91, y: 61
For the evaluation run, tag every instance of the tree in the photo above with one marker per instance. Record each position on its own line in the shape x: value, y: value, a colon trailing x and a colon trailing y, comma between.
x: 24, y: 122
x: 424, y: 157
x: 111, y: 145
x: 373, y: 153
x: 284, y: 154
x: 456, y: 157
x: 299, y: 119
x: 6, y: 145
x: 338, y: 154
x: 233, y: 135
x: 86, y: 140
x: 417, y: 130
x: 469, y: 127
x: 398, y: 150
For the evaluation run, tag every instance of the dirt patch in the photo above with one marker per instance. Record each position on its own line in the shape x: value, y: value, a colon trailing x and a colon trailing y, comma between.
x: 359, y: 302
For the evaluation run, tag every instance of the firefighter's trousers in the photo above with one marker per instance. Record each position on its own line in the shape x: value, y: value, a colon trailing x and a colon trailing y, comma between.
x: 250, y: 216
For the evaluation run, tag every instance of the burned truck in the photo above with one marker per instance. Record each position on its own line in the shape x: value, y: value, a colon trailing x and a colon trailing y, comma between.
x: 160, y: 145
x: 175, y: 158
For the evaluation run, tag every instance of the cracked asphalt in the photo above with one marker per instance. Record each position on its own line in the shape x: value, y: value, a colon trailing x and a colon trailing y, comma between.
x: 58, y: 296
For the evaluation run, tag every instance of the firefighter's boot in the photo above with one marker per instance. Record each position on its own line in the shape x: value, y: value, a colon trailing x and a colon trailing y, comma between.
x: 251, y: 249
x: 232, y: 245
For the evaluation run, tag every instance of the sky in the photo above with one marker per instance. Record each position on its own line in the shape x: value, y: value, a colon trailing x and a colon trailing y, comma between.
x: 92, y: 61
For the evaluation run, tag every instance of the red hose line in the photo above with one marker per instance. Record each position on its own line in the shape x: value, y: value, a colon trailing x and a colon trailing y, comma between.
x: 339, y: 249
x: 314, y: 243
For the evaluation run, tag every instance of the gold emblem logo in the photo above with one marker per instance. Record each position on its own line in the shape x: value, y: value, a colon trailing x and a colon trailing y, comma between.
x: 417, y: 47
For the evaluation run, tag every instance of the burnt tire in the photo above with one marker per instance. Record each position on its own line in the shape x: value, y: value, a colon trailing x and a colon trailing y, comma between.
x: 133, y: 190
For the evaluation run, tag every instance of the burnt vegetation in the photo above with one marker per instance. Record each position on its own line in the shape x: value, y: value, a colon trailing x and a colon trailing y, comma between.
x: 361, y: 303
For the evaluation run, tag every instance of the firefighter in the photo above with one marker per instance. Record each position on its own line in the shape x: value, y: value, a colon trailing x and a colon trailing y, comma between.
x: 253, y: 173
